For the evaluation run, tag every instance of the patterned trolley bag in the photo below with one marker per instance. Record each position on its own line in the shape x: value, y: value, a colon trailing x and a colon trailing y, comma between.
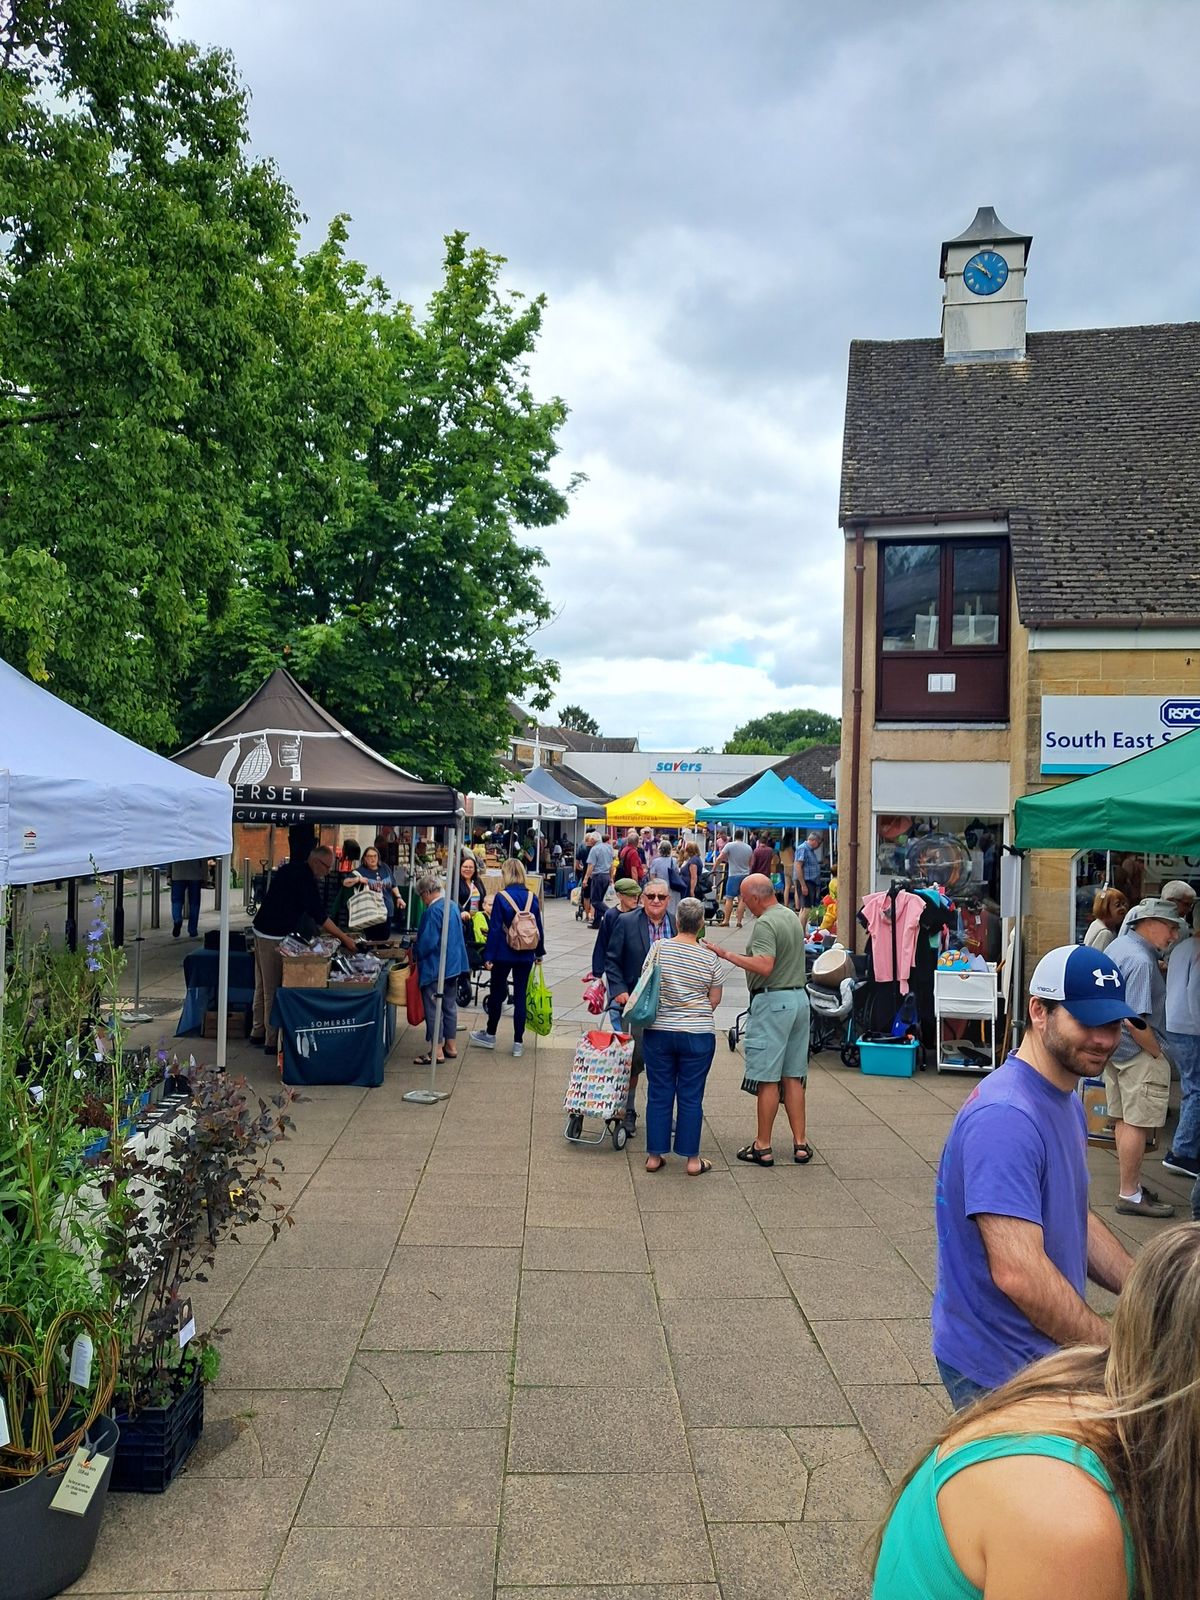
x: 599, y: 1087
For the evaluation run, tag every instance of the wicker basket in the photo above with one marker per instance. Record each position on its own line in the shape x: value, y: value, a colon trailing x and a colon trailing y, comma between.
x: 306, y: 972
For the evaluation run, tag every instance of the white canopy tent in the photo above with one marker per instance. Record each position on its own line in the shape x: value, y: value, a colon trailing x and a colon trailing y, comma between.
x: 519, y: 800
x: 73, y: 793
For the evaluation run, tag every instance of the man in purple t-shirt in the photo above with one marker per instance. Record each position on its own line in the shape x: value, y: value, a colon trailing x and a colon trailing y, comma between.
x: 1016, y: 1241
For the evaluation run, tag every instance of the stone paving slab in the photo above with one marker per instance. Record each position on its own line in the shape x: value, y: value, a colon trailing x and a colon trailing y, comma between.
x: 488, y: 1363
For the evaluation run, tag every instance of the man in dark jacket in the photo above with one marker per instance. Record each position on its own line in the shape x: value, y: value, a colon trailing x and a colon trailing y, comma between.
x: 292, y: 905
x: 628, y: 893
x: 628, y: 946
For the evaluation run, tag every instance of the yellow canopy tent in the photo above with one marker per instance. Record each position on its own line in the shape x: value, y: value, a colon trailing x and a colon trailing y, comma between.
x: 648, y: 807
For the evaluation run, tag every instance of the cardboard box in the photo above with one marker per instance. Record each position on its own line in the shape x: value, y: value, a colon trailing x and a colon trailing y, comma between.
x: 237, y: 1024
x: 1095, y: 1109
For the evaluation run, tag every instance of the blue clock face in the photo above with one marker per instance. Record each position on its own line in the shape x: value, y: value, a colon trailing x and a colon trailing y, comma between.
x: 985, y: 272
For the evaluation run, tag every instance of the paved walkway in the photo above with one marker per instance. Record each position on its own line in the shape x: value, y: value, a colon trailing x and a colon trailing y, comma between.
x: 486, y: 1362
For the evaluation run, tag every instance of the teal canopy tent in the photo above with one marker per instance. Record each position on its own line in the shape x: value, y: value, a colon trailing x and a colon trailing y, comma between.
x: 769, y: 801
x: 797, y: 787
x: 1150, y: 803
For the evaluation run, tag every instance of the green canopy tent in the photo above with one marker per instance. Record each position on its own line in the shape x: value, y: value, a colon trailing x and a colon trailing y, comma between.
x: 1150, y: 803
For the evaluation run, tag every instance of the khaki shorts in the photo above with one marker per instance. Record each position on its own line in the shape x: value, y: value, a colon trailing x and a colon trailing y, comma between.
x: 1138, y: 1090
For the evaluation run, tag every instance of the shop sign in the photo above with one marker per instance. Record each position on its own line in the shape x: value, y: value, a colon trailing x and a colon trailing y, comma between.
x: 680, y: 766
x: 1088, y: 732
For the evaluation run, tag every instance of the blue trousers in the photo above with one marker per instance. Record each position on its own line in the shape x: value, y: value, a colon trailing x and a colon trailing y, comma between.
x: 963, y: 1391
x: 449, y: 1008
x: 1185, y: 1051
x: 192, y: 887
x: 676, y: 1066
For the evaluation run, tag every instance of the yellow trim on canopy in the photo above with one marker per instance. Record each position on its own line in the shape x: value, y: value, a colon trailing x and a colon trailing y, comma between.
x: 648, y: 807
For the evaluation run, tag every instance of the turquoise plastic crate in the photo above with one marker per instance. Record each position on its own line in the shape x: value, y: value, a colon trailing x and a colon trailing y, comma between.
x: 887, y: 1058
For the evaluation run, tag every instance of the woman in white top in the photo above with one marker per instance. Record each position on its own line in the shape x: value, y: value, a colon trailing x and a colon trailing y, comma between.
x: 1108, y: 910
x: 678, y: 1045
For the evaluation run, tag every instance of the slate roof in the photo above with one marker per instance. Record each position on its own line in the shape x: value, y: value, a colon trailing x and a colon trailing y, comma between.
x: 813, y: 768
x: 1091, y: 445
x: 589, y: 743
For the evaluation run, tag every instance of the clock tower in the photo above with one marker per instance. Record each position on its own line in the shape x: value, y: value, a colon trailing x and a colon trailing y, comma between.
x: 983, y: 303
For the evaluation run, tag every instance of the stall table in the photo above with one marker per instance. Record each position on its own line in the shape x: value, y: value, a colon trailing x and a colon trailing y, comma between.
x: 342, y: 1034
x: 200, y: 974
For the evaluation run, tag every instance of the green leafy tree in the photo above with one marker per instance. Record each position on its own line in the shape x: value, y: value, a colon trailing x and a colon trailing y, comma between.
x: 139, y: 300
x: 784, y: 733
x: 577, y: 718
x: 385, y: 564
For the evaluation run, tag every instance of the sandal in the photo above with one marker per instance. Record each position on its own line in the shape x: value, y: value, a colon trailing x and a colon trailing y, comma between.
x: 451, y: 1055
x: 659, y: 1163
x: 760, y: 1158
x: 705, y: 1166
x: 802, y: 1160
x: 426, y: 1060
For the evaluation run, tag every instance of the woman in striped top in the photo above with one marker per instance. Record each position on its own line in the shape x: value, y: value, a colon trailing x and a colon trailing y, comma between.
x: 678, y: 1045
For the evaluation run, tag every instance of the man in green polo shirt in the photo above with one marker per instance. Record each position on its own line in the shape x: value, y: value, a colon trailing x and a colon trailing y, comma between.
x: 777, y: 1027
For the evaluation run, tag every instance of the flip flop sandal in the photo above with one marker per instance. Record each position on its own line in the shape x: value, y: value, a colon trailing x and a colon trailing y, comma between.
x: 759, y: 1158
x: 802, y: 1160
x: 705, y: 1166
x: 451, y: 1055
x: 660, y: 1163
x: 424, y: 1061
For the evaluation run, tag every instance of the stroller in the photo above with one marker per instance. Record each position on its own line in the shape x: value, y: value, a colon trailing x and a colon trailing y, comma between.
x: 709, y: 885
x: 835, y: 1023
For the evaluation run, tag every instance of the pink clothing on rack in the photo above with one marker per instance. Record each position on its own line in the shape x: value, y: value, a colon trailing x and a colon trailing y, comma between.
x: 877, y: 912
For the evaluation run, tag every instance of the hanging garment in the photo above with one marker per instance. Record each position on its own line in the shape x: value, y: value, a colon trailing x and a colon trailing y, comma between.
x: 876, y: 916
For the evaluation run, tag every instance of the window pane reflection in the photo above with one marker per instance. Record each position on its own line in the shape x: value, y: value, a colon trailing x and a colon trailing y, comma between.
x: 976, y: 595
x: 909, y: 606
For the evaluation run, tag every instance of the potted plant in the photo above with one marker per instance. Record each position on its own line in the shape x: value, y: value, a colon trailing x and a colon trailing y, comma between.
x: 207, y: 1174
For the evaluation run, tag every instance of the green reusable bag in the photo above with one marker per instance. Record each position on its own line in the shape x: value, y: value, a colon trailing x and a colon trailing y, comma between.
x: 642, y: 1006
x: 539, y: 1003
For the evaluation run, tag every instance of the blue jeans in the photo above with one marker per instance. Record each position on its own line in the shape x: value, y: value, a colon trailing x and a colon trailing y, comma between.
x: 676, y: 1066
x: 1184, y: 1049
x: 961, y: 1389
x: 190, y: 886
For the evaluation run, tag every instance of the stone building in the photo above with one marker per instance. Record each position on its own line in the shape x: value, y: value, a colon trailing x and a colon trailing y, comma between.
x: 1022, y: 599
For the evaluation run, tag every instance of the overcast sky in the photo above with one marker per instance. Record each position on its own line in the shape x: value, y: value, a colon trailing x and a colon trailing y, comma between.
x: 717, y: 196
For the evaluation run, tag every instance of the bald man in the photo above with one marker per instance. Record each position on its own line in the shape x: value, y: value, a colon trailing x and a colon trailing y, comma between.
x: 777, y: 1027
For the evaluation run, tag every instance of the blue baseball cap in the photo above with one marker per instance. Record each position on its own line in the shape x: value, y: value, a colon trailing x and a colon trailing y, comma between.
x: 1086, y: 982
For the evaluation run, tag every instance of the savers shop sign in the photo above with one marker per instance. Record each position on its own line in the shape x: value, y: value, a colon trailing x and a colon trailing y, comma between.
x: 1087, y: 732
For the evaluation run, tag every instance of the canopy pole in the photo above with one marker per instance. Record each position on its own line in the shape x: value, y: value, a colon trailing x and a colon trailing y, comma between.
x: 5, y: 905
x: 431, y: 1096
x: 223, y: 866
x: 137, y: 1014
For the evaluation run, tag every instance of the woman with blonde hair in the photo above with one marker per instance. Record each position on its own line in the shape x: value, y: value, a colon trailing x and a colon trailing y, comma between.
x: 504, y: 960
x: 1108, y: 912
x: 1079, y: 1479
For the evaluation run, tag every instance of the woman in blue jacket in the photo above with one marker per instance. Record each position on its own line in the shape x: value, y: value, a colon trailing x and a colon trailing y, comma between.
x: 427, y: 954
x: 505, y: 963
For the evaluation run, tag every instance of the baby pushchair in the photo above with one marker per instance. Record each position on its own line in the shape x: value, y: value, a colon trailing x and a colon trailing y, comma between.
x: 832, y: 1019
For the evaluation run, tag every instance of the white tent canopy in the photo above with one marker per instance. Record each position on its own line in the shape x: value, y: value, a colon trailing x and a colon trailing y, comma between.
x: 695, y: 803
x: 72, y: 792
x: 518, y: 800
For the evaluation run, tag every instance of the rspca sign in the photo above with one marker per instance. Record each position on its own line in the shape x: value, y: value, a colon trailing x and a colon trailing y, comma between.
x: 1088, y: 732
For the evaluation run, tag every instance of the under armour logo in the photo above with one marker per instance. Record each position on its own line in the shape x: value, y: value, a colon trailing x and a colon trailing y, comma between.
x: 1103, y: 977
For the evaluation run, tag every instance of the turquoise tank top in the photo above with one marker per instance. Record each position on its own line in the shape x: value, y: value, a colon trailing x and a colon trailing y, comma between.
x: 915, y: 1562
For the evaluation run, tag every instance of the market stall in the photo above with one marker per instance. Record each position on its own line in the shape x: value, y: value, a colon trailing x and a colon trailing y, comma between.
x: 289, y: 761
x: 647, y: 807
x: 1148, y: 804
x: 342, y: 1034
x: 771, y: 802
x: 75, y: 796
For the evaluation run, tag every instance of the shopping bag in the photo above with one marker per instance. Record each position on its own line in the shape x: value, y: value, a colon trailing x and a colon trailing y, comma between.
x: 415, y: 1005
x: 539, y: 1003
x: 366, y: 909
x: 594, y: 996
x: 642, y: 1005
x: 599, y: 1082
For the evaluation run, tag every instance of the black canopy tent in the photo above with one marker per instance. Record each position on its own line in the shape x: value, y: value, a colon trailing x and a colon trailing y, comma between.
x: 288, y: 760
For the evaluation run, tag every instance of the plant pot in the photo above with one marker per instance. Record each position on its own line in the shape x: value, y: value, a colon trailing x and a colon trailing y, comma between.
x: 156, y: 1443
x: 46, y: 1551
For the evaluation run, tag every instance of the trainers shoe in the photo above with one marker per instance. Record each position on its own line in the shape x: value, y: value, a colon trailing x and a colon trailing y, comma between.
x: 518, y: 1048
x: 176, y: 929
x: 1185, y: 1166
x: 630, y: 1123
x: 486, y: 1041
x: 1147, y: 1206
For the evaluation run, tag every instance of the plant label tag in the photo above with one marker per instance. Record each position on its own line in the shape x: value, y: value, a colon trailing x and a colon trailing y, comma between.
x: 187, y: 1324
x: 4, y: 1434
x: 79, y: 1482
x: 81, y: 1362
